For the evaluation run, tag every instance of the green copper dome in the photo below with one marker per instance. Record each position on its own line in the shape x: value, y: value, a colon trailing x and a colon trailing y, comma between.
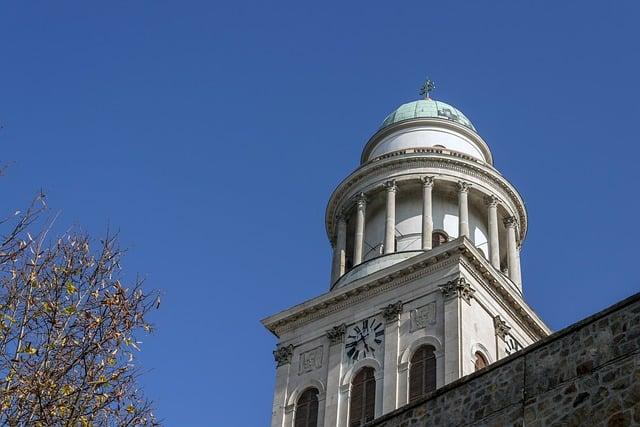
x: 427, y: 108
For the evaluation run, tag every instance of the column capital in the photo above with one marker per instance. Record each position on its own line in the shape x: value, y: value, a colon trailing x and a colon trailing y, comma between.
x: 392, y: 311
x: 491, y: 201
x: 463, y: 186
x: 457, y: 288
x: 283, y: 355
x: 361, y: 200
x: 502, y: 329
x: 336, y: 334
x: 427, y: 181
x: 390, y: 186
x: 510, y: 221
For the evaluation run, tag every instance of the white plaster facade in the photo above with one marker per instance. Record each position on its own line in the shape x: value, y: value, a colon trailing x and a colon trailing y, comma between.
x: 461, y: 297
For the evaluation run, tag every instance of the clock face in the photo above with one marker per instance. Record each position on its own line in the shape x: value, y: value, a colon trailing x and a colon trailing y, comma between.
x: 364, y: 339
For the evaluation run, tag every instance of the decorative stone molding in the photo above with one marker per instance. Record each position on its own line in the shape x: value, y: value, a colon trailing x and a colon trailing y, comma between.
x: 510, y: 221
x: 423, y: 317
x: 502, y: 329
x: 457, y: 288
x: 391, y: 186
x: 283, y: 355
x: 310, y: 360
x: 392, y: 311
x: 470, y: 257
x: 463, y: 186
x: 427, y: 181
x: 361, y: 200
x: 336, y: 334
x: 491, y: 201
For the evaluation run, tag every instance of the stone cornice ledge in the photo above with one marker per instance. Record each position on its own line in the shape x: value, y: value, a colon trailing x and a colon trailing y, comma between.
x: 413, y: 268
x: 503, y: 289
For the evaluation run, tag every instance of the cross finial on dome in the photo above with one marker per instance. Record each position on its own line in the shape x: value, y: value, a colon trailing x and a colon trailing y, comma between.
x: 427, y: 87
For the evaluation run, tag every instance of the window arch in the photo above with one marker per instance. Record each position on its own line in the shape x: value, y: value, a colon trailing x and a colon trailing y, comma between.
x: 438, y: 238
x: 422, y: 372
x: 480, y: 361
x: 307, y: 409
x: 363, y: 397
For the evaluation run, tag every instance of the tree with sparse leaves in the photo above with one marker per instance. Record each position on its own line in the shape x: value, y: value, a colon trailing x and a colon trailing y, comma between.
x: 69, y: 326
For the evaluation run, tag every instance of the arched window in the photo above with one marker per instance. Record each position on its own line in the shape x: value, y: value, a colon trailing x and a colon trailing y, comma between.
x: 422, y: 372
x: 363, y: 398
x: 480, y: 361
x: 307, y: 409
x: 438, y: 238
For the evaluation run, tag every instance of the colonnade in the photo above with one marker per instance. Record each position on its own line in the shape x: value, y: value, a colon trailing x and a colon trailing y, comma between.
x: 390, y: 190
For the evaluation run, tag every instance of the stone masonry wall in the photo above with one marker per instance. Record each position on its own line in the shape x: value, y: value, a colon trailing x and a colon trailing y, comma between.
x: 587, y: 374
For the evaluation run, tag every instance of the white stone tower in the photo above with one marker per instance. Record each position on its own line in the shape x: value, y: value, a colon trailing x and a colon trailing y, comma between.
x: 425, y: 283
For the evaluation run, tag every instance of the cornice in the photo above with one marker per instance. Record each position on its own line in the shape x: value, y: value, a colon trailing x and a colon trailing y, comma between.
x: 341, y: 196
x: 457, y: 251
x: 503, y: 292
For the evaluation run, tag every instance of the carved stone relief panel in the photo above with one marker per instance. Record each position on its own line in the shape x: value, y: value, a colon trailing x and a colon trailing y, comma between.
x: 310, y: 360
x: 423, y: 317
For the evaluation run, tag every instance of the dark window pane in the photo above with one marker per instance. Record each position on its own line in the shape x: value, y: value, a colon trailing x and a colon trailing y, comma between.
x: 307, y: 409
x: 363, y: 398
x: 481, y: 361
x: 422, y: 372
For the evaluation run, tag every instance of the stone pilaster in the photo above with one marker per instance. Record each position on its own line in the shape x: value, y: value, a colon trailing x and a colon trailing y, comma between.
x: 454, y: 292
x: 334, y: 373
x: 501, y: 329
x: 282, y: 356
x: 391, y: 314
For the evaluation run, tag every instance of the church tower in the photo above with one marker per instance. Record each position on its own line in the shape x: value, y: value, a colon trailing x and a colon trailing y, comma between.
x: 425, y: 280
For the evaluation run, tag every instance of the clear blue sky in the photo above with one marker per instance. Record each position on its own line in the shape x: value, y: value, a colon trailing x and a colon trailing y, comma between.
x: 211, y: 134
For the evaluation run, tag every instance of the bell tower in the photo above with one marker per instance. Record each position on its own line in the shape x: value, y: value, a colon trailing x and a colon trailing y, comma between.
x: 425, y: 278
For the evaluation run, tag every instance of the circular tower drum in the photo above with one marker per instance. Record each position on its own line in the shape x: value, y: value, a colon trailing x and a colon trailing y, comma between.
x: 426, y: 178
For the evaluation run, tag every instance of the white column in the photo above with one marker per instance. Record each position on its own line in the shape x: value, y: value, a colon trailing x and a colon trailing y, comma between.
x: 334, y: 374
x: 427, y: 211
x: 518, y: 270
x: 391, y: 315
x: 463, y: 209
x: 512, y: 250
x: 283, y: 357
x: 390, y: 218
x: 361, y: 205
x: 339, y: 250
x: 494, y: 242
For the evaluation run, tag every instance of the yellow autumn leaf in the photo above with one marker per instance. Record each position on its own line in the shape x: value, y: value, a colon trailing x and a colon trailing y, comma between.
x: 30, y: 350
x: 131, y: 409
x: 70, y: 310
x: 71, y: 289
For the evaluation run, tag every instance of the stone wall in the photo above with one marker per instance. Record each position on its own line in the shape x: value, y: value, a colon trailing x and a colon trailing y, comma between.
x: 585, y: 375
